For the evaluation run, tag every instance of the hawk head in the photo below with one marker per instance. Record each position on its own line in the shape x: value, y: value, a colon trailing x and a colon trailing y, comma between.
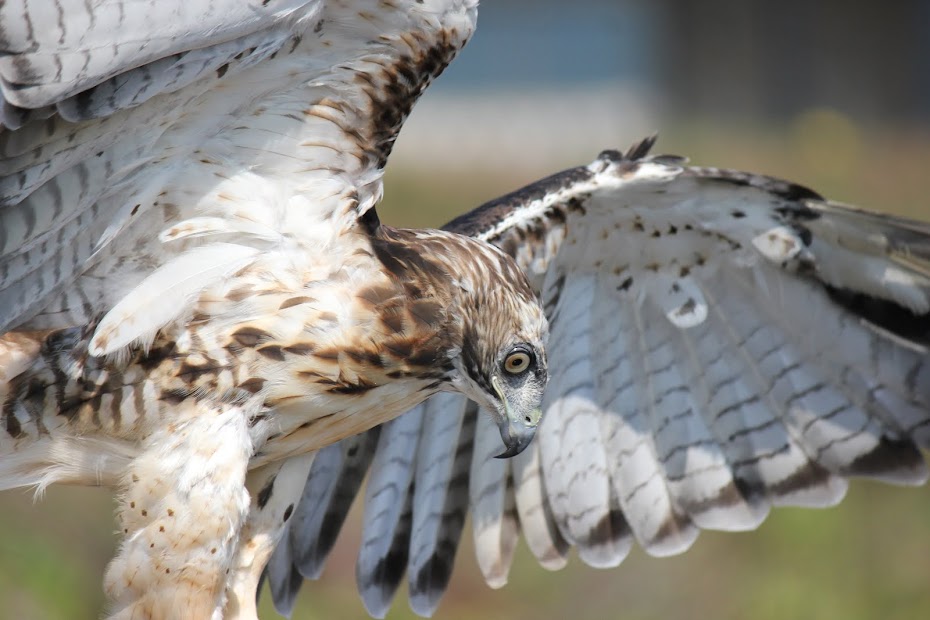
x: 502, y: 366
x: 478, y: 319
x: 502, y: 363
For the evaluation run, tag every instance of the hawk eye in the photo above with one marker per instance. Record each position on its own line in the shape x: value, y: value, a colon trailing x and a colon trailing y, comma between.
x: 518, y: 361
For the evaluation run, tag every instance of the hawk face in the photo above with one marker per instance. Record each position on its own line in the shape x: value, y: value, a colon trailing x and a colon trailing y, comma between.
x: 519, y: 382
x: 502, y: 365
x: 490, y: 326
x: 510, y: 386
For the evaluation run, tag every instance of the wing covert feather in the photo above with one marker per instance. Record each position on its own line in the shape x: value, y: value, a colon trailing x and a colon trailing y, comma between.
x: 268, y: 116
x: 44, y: 66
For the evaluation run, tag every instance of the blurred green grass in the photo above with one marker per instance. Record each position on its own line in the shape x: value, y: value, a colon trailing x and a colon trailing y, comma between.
x: 867, y: 558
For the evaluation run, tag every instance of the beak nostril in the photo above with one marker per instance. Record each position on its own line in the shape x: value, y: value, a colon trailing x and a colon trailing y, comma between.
x: 528, y: 420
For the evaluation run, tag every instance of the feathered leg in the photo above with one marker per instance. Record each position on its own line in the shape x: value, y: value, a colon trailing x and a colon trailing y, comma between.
x: 183, y: 505
x: 275, y: 490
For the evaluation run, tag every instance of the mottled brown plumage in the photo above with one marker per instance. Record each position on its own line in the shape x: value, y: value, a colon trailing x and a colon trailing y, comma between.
x: 193, y: 311
x: 418, y: 318
x: 394, y: 317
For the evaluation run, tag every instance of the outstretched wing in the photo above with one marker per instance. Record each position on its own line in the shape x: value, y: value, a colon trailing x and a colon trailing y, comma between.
x: 149, y: 149
x: 721, y: 343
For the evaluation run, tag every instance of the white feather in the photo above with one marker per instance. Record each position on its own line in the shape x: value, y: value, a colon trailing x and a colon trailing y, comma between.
x: 202, y: 226
x: 763, y: 447
x: 493, y: 526
x: 539, y: 528
x: 98, y: 461
x: 573, y: 453
x: 778, y: 244
x: 668, y: 431
x: 166, y: 294
x: 680, y: 299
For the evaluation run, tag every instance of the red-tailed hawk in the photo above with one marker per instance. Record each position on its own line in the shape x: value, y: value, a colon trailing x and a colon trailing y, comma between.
x: 201, y: 308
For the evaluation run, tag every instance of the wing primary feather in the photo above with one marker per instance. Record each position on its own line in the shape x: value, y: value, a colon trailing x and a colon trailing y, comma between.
x: 440, y: 497
x: 385, y: 546
x: 328, y: 495
x: 651, y: 428
x: 854, y: 419
x: 283, y: 578
x: 534, y: 512
x: 494, y: 520
x: 571, y: 446
x: 388, y: 574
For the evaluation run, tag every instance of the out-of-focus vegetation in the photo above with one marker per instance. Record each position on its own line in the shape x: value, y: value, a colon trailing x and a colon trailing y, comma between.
x: 868, y: 558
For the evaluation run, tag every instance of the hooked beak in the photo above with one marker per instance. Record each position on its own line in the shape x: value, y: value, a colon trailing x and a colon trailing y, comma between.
x: 518, y: 427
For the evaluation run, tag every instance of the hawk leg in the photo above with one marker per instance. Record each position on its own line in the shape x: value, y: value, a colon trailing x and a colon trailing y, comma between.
x: 181, y: 510
x: 275, y: 490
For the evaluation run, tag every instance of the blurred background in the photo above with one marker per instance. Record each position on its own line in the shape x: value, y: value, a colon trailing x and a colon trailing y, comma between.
x: 831, y: 94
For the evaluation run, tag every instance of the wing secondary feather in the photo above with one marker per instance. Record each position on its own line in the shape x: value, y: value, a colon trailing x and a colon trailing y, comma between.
x: 721, y: 343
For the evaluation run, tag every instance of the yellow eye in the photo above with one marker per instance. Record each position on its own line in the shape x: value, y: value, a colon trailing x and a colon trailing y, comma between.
x: 517, y: 362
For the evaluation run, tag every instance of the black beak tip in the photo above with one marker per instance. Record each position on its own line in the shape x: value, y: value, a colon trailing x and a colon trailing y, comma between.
x: 515, y: 440
x: 510, y: 452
